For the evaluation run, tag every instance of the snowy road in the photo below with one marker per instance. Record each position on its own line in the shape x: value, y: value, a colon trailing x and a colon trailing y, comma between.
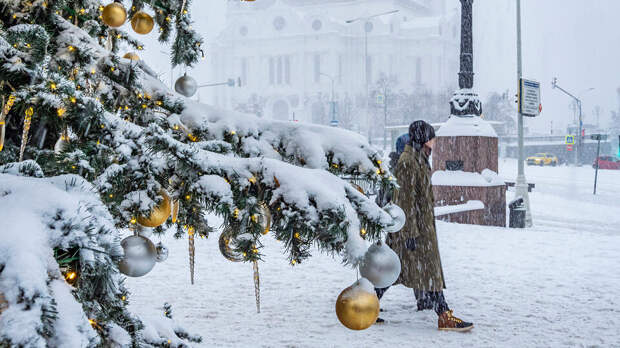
x: 556, y: 284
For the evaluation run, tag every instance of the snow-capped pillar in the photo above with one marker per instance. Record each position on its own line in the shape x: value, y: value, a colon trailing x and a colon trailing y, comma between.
x: 467, y: 147
x: 465, y: 102
x: 466, y: 75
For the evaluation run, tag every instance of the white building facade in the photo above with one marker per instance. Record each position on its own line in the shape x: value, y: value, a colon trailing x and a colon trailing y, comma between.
x: 287, y: 52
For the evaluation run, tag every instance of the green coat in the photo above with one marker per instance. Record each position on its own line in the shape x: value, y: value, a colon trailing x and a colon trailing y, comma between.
x: 421, y: 268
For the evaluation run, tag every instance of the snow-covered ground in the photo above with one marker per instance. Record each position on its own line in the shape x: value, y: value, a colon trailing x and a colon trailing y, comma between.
x: 556, y: 284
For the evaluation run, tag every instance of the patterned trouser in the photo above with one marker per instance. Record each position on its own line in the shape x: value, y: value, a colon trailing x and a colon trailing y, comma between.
x: 426, y: 299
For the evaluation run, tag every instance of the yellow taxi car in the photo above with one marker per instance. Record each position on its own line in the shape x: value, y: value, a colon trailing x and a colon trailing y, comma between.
x: 542, y: 159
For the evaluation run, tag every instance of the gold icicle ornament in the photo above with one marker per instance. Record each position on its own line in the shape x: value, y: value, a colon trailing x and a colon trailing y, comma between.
x: 142, y: 22
x: 192, y: 253
x: 159, y: 214
x: 114, y: 15
x: 256, y: 285
x: 4, y: 304
x: 27, y: 121
x: 175, y: 210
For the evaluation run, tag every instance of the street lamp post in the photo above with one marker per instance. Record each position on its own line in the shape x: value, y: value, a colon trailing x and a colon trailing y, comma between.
x: 366, y: 30
x: 521, y: 186
x: 332, y: 103
x: 579, y: 150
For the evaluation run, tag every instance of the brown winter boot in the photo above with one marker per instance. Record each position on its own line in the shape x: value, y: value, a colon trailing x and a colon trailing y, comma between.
x: 448, y: 322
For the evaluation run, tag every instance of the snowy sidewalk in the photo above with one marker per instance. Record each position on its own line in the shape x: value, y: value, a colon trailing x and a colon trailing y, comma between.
x: 553, y: 285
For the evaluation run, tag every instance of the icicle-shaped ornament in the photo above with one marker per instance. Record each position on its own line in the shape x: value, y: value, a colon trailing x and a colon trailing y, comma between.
x: 27, y: 121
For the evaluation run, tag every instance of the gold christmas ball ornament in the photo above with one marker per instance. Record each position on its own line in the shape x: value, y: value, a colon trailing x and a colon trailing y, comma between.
x: 142, y: 22
x: 131, y: 56
x: 159, y: 214
x: 264, y: 218
x: 114, y: 15
x: 225, y: 241
x: 357, y: 306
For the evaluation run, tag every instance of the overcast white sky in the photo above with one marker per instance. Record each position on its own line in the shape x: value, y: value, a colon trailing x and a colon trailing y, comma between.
x: 576, y: 41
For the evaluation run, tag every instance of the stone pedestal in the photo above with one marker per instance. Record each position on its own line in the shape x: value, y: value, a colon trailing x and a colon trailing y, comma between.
x: 465, y: 151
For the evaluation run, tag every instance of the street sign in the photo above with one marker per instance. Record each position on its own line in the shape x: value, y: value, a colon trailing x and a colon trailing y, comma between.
x: 570, y: 140
x: 529, y: 98
x: 380, y: 99
x: 602, y: 137
x: 569, y: 147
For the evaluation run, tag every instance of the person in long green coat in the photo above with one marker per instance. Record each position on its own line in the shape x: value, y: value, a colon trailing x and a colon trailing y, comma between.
x: 416, y: 244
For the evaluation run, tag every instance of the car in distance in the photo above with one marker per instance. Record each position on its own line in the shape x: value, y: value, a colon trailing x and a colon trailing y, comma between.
x: 542, y: 159
x: 607, y: 162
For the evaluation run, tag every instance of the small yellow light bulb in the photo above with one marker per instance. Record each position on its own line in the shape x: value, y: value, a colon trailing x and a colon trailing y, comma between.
x: 111, y: 195
x: 144, y: 106
x: 293, y: 262
x: 188, y: 197
x: 133, y: 221
x: 73, y: 100
x: 296, y: 235
x: 61, y: 111
x: 363, y: 231
x: 53, y: 86
x: 123, y: 298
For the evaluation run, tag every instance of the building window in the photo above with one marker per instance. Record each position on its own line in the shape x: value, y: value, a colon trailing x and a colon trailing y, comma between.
x: 369, y: 69
x: 244, y: 71
x: 279, y: 74
x: 368, y: 26
x: 279, y: 23
x: 418, y: 70
x: 340, y: 68
x: 317, y: 68
x: 243, y: 30
x: 317, y: 25
x: 272, y: 74
x: 287, y: 70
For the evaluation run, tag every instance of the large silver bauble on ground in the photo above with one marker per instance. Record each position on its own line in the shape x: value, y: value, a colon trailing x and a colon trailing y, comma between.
x: 139, y: 256
x: 186, y: 86
x: 162, y: 252
x: 380, y: 265
x: 398, y: 215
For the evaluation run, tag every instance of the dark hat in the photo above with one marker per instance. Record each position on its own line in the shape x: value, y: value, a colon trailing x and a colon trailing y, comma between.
x: 420, y: 133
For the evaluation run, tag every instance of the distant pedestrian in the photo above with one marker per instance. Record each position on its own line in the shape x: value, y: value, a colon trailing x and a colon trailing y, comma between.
x: 416, y: 244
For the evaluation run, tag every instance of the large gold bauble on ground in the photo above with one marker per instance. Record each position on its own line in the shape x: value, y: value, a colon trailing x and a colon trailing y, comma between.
x: 131, y: 56
x: 142, y: 22
x: 114, y: 15
x: 357, y: 306
x: 159, y: 214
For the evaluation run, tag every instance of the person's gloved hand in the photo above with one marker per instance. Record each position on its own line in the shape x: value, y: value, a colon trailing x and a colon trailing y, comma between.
x: 411, y: 244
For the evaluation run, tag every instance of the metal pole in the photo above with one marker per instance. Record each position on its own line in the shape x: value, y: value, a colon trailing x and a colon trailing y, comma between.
x: 598, y: 149
x: 580, y: 141
x: 521, y: 185
x: 384, y: 120
x: 366, y: 78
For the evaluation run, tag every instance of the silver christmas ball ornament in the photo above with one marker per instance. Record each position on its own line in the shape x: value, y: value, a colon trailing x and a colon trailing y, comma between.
x: 380, y: 265
x: 398, y: 216
x: 186, y: 86
x: 162, y: 252
x: 139, y: 259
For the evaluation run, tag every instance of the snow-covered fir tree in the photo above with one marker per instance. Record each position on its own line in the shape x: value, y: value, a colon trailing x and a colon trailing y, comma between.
x: 93, y: 144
